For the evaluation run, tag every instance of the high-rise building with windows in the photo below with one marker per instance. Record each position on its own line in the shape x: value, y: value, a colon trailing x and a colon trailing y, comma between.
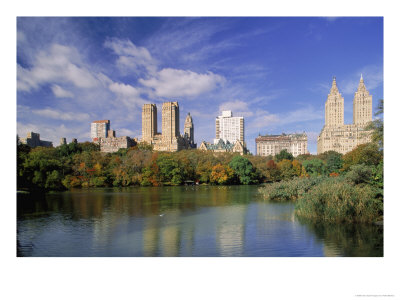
x: 296, y: 144
x: 229, y: 128
x: 340, y: 137
x: 99, y: 129
x: 170, y: 139
x: 149, y: 122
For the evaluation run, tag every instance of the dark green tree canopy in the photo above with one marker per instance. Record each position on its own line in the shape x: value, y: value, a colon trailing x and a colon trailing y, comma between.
x: 284, y: 154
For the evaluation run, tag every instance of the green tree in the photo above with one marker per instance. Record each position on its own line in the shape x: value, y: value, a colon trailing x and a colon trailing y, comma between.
x: 367, y: 154
x: 41, y: 169
x: 377, y: 126
x: 314, y: 167
x: 273, y: 172
x: 334, y: 161
x: 286, y: 168
x: 243, y: 169
x: 170, y: 170
x: 284, y: 154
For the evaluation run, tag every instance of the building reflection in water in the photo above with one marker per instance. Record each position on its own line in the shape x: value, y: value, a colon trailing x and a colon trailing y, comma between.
x: 180, y: 221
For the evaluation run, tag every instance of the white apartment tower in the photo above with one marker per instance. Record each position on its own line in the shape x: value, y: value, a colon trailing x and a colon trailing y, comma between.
x: 229, y: 128
x: 99, y: 129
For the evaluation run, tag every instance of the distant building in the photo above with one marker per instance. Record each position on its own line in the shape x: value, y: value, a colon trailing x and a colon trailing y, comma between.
x: 113, y: 144
x: 63, y: 141
x: 99, y: 129
x: 149, y: 122
x: 222, y: 146
x: 229, y: 128
x: 189, y: 131
x: 106, y: 137
x: 33, y: 140
x: 74, y: 141
x: 296, y: 144
x: 170, y: 139
x: 340, y: 137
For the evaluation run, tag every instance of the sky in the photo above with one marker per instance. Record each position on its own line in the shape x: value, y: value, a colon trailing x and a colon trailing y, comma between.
x: 276, y: 72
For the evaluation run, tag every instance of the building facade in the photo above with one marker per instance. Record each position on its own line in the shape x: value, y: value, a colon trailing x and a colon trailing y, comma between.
x: 229, y: 128
x: 113, y: 144
x: 188, y: 129
x: 170, y: 139
x: 222, y: 146
x: 340, y: 137
x: 33, y: 140
x: 296, y: 144
x: 99, y: 129
x: 149, y: 122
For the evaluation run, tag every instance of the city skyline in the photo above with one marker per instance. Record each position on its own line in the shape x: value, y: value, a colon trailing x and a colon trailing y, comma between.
x: 275, y: 72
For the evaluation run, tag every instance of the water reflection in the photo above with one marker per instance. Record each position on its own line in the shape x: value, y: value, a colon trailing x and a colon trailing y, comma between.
x: 178, y: 221
x: 360, y: 240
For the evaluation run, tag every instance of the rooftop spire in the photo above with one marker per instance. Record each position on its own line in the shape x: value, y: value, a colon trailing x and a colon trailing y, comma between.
x: 334, y: 88
x: 361, y: 85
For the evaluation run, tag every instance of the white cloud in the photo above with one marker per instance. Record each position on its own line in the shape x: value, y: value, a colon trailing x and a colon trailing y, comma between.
x: 124, y: 89
x: 59, y: 92
x: 66, y: 116
x: 127, y: 132
x: 131, y: 57
x: 263, y: 119
x: 238, y: 108
x: 53, y: 133
x: 181, y: 83
x: 59, y: 64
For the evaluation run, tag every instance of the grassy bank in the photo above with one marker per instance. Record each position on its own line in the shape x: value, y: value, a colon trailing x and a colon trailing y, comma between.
x: 327, y: 199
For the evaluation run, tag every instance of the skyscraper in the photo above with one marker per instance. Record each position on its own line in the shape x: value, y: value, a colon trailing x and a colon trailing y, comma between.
x: 149, y: 122
x: 336, y: 135
x: 170, y: 138
x: 362, y: 105
x: 229, y: 128
x: 334, y: 107
x: 170, y: 121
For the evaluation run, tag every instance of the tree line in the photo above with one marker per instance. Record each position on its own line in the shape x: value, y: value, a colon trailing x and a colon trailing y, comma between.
x: 77, y: 165
x: 83, y: 165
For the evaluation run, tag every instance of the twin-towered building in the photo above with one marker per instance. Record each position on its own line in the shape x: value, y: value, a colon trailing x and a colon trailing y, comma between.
x: 336, y: 135
x: 170, y: 138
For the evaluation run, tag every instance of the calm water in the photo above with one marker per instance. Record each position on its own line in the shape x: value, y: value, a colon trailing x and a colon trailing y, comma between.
x: 179, y: 221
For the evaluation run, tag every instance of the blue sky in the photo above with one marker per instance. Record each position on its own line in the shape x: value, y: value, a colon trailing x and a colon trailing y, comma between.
x: 274, y: 71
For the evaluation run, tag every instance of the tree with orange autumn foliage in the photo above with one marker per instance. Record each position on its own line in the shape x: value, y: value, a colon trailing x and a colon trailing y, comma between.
x: 221, y: 174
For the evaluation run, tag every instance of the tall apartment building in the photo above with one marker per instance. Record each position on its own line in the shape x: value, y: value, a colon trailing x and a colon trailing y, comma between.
x: 170, y: 138
x: 229, y: 128
x: 149, y: 122
x: 340, y: 137
x: 296, y: 144
x: 170, y: 121
x: 99, y: 129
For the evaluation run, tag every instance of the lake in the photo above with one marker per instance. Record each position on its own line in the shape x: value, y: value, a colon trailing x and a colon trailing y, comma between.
x: 191, y: 221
